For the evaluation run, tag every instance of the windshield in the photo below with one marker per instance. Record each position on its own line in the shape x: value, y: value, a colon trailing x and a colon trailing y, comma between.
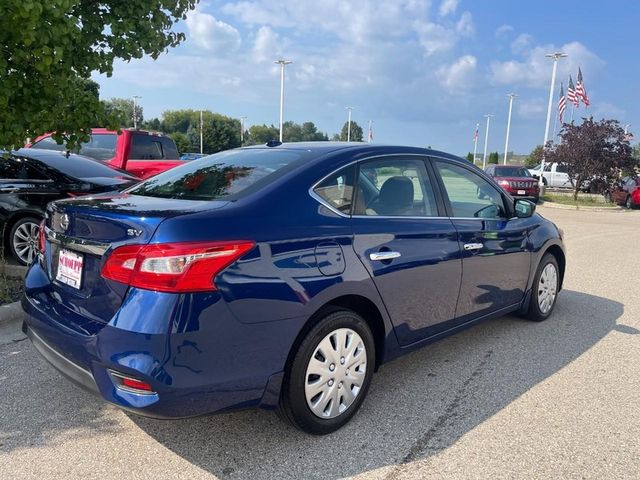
x: 512, y: 172
x: 223, y: 175
x: 100, y: 146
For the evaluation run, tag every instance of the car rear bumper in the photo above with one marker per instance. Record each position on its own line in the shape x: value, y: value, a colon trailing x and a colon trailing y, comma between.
x: 196, y: 363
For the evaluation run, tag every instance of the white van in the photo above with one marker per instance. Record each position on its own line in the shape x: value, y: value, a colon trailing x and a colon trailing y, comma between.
x: 555, y: 175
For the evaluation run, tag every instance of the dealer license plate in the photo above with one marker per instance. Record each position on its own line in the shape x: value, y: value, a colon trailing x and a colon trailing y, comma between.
x: 69, y: 268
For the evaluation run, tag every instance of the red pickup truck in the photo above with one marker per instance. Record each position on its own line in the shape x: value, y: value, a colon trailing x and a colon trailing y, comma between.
x: 141, y: 153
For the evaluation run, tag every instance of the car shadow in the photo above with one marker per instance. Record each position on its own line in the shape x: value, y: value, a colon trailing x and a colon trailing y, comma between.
x: 418, y: 405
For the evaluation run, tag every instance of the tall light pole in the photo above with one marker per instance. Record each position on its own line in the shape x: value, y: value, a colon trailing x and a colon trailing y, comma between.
x: 475, y: 142
x: 242, y: 119
x: 135, y: 110
x: 556, y: 56
x: 282, y: 62
x: 506, y: 143
x: 349, y: 124
x: 201, y: 129
x: 486, y: 140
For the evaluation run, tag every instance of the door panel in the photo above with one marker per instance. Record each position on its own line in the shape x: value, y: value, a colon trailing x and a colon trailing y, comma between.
x: 412, y: 254
x: 495, y: 250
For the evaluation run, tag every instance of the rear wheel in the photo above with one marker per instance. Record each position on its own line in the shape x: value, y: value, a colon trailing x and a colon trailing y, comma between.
x: 23, y: 239
x: 330, y: 374
x: 628, y: 203
x: 545, y: 289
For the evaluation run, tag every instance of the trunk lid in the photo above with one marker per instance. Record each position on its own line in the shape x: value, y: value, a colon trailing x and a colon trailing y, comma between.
x: 81, y: 232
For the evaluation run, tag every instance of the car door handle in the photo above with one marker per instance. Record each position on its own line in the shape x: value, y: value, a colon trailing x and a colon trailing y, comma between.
x: 8, y: 190
x: 473, y: 246
x: 381, y: 256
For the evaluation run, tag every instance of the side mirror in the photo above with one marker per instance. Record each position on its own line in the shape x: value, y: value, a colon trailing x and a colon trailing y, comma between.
x: 524, y: 208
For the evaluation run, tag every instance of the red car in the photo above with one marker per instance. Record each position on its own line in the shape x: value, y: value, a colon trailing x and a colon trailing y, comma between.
x: 515, y: 180
x: 626, y: 192
x: 141, y: 153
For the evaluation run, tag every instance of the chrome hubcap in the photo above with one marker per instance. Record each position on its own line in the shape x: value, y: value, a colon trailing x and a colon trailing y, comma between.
x: 25, y: 241
x: 547, y: 288
x: 335, y: 373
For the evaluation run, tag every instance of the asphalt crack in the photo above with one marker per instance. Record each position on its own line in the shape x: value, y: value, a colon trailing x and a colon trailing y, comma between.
x: 427, y: 443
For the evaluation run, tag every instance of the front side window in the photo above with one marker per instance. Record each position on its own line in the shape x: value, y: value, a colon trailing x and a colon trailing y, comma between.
x: 470, y: 195
x: 337, y: 190
x: 19, y: 169
x: 146, y: 147
x: 394, y: 187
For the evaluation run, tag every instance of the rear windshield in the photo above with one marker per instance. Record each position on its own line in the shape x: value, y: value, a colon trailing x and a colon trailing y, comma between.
x: 223, y: 175
x: 101, y: 146
x: 152, y: 147
x: 73, y: 166
x: 512, y: 172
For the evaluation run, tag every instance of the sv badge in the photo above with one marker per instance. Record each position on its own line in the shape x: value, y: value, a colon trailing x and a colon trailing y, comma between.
x: 132, y: 232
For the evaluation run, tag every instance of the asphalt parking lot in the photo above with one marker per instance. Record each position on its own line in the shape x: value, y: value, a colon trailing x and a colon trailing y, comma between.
x: 506, y: 399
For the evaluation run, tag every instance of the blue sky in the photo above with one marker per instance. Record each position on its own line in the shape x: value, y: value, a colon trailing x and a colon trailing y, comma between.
x: 425, y: 72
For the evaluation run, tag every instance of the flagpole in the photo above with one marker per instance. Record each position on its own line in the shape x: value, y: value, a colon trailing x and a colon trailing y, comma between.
x: 506, y: 143
x: 475, y: 143
x: 555, y: 56
x: 370, y: 133
x: 486, y: 140
x: 573, y: 107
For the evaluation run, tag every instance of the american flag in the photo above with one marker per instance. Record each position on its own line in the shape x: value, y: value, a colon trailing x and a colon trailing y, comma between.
x: 581, y: 93
x: 475, y: 132
x: 571, y: 93
x: 562, y: 104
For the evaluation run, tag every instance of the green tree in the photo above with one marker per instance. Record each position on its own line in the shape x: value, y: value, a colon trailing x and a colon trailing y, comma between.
x: 534, y: 158
x: 219, y: 133
x: 49, y: 49
x: 182, y: 142
x: 593, y: 150
x: 493, y: 157
x: 122, y: 108
x: 259, y: 134
x: 307, y: 132
x: 470, y: 157
x: 356, y: 132
x: 154, y: 124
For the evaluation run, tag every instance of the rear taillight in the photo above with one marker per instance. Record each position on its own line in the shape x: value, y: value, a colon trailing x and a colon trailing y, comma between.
x: 173, y: 267
x: 41, y: 238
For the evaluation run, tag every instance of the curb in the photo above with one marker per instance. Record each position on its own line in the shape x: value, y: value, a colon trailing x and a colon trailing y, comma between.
x: 11, y: 312
x: 15, y: 271
x: 561, y: 206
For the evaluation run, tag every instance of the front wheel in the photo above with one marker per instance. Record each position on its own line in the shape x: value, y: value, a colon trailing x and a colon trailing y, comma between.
x: 629, y: 203
x: 330, y: 374
x: 545, y: 289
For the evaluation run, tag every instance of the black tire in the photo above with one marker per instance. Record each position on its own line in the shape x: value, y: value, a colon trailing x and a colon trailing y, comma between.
x: 13, y: 240
x: 534, y: 313
x: 607, y: 197
x: 544, y: 181
x: 293, y: 405
x: 628, y: 203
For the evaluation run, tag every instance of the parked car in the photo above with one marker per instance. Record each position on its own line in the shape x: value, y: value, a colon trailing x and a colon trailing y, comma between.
x: 555, y: 175
x: 187, y: 157
x: 516, y: 181
x: 280, y: 276
x: 625, y: 192
x: 141, y: 153
x: 29, y: 179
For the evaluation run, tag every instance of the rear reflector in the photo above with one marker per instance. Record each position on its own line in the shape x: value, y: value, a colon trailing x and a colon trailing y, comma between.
x: 41, y: 238
x: 130, y: 384
x: 173, y: 267
x: 136, y: 384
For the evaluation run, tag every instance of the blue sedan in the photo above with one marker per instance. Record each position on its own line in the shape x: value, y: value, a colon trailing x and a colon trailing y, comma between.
x: 280, y: 276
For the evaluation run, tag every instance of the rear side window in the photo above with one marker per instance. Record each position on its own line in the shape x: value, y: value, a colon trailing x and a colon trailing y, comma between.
x: 337, y: 190
x: 227, y: 175
x: 12, y: 169
x: 100, y: 146
x: 395, y: 187
x: 74, y: 166
x: 152, y: 147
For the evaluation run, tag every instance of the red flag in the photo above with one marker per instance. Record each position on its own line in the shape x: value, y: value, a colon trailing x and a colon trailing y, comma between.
x: 571, y: 93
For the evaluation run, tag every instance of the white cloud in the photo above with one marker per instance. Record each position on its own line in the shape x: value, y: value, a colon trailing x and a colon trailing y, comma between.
x: 531, y: 109
x: 267, y: 45
x: 465, y: 25
x: 434, y: 38
x: 522, y: 43
x: 448, y: 7
x: 604, y: 110
x: 503, y: 31
x: 459, y: 76
x: 212, y: 34
x: 535, y: 69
